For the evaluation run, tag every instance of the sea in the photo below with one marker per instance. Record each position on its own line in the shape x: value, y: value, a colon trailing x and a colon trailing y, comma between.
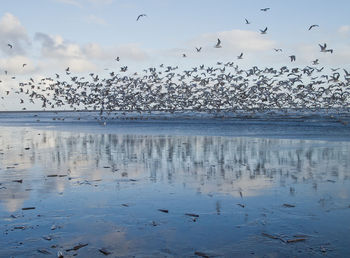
x: 175, y: 184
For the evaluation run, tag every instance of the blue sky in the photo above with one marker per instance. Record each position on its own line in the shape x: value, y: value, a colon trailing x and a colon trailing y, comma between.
x: 87, y: 35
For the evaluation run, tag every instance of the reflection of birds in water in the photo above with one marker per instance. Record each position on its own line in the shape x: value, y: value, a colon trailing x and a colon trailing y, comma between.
x: 218, y: 207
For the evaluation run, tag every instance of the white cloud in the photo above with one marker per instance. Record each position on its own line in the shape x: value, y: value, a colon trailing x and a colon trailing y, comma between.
x: 345, y: 29
x: 306, y: 53
x: 14, y: 65
x: 84, y: 58
x: 56, y: 47
x: 129, y: 51
x: 95, y: 20
x: 12, y: 32
x: 236, y: 40
x: 81, y: 65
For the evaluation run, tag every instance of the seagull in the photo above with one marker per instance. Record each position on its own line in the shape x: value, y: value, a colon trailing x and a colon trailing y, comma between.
x: 263, y: 31
x: 278, y: 49
x: 313, y: 26
x: 292, y: 58
x: 329, y: 50
x: 9, y: 45
x: 264, y: 9
x: 315, y: 62
x: 183, y: 55
x: 117, y: 59
x: 141, y: 15
x: 240, y: 56
x: 218, y: 45
x: 199, y: 49
x: 24, y: 65
x: 323, y: 48
x: 246, y: 21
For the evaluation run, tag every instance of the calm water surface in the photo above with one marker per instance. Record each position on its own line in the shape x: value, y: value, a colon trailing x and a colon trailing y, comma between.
x: 249, y: 195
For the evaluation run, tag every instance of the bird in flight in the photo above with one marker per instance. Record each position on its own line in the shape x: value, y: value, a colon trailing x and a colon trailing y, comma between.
x: 24, y: 65
x: 218, y: 44
x: 264, y: 9
x: 199, y: 49
x: 9, y: 45
x: 117, y: 59
x: 240, y: 56
x: 263, y: 31
x: 292, y: 58
x: 278, y: 49
x: 246, y: 21
x: 323, y: 47
x: 183, y: 55
x: 313, y: 26
x: 141, y: 15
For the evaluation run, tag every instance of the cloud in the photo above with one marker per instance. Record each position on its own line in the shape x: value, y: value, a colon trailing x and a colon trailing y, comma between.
x: 306, y: 53
x: 131, y: 51
x: 82, y: 58
x: 236, y: 40
x: 14, y: 65
x: 56, y: 47
x: 95, y: 20
x: 345, y: 29
x: 12, y: 32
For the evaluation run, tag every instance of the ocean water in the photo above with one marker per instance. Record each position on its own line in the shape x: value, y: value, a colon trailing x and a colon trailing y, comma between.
x: 175, y: 185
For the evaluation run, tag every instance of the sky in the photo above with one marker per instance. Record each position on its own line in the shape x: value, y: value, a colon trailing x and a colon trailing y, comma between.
x: 87, y: 35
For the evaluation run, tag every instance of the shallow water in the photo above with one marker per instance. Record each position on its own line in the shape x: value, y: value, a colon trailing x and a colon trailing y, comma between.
x: 104, y: 185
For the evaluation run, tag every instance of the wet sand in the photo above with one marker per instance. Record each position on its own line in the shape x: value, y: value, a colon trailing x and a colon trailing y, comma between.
x: 104, y: 191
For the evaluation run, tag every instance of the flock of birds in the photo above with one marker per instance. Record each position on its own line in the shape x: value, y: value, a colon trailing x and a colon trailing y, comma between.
x: 222, y: 87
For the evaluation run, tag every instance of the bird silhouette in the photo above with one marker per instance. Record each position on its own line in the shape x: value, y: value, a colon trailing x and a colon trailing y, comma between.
x: 218, y: 44
x: 141, y: 15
